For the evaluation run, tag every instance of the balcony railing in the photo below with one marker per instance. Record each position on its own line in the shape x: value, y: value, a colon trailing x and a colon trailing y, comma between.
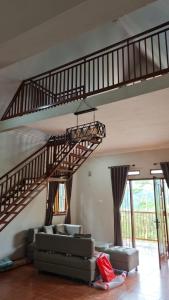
x: 144, y: 225
x: 142, y: 56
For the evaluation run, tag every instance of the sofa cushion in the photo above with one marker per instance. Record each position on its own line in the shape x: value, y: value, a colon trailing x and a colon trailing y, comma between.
x: 72, y: 229
x: 60, y: 228
x: 70, y: 261
x: 65, y: 244
x: 83, y: 235
x: 48, y: 229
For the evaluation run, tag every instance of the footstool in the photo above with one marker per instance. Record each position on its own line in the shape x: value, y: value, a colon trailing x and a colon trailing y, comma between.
x: 123, y: 258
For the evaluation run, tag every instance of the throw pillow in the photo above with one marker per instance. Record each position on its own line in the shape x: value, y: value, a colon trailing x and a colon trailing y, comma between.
x: 60, y: 228
x: 48, y: 229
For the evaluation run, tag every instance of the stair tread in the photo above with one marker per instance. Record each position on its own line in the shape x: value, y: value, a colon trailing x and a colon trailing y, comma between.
x: 69, y: 163
x: 84, y: 148
x: 63, y: 169
x: 77, y: 155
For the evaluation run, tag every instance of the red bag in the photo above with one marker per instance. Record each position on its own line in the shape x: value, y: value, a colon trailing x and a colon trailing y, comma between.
x: 105, y: 268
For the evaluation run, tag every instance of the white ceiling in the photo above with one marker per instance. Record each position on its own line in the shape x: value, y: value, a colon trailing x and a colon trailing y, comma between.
x: 134, y: 124
x: 18, y: 16
x: 29, y: 27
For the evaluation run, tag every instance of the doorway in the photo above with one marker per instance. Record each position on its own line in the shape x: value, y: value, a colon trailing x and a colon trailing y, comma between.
x: 144, y: 218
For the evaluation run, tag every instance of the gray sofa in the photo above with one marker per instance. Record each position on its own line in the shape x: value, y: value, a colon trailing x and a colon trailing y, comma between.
x: 66, y: 255
x: 66, y: 229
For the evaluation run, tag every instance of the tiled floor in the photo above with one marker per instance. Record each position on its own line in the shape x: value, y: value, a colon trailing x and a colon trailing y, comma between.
x: 25, y: 283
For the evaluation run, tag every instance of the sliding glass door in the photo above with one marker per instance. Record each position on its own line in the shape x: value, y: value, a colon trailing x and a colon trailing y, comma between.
x: 161, y: 219
x: 145, y: 215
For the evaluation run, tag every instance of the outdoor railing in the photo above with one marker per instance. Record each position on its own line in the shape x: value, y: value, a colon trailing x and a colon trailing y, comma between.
x: 144, y: 225
x: 142, y: 56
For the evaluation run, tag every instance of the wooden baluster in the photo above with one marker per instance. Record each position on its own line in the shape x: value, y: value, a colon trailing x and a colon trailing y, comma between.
x: 98, y: 74
x: 128, y: 59
x: 52, y: 88
x: 57, y: 91
x: 72, y: 80
x: 1, y: 196
x: 139, y: 51
x: 159, y: 50
x: 123, y: 68
x: 93, y: 74
x: 68, y: 78
x: 146, y: 59
x: 166, y: 46
x: 64, y: 82
x: 107, y: 70
x: 152, y: 49
x: 60, y: 85
x: 118, y: 71
x: 112, y: 53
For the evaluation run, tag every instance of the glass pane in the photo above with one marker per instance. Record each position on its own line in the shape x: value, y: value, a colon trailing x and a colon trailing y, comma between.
x: 166, y: 191
x: 160, y: 215
x: 144, y: 210
x: 61, y: 197
x: 126, y: 218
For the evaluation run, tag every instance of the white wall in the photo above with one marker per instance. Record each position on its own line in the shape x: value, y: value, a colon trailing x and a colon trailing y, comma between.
x: 12, y: 238
x: 94, y: 204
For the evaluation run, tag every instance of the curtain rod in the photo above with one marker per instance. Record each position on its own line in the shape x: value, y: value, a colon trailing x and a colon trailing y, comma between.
x: 121, y: 166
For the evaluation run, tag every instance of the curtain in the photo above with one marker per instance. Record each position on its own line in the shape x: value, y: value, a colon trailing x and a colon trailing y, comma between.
x: 68, y: 185
x: 118, y: 181
x: 53, y: 189
x: 165, y: 169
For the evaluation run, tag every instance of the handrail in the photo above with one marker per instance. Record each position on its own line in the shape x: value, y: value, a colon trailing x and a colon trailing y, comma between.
x: 27, y: 174
x: 23, y: 161
x: 58, y: 137
x: 101, y: 50
x: 144, y: 55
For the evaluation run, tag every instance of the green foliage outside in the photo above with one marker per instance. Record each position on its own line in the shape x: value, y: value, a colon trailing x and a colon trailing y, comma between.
x: 144, y: 211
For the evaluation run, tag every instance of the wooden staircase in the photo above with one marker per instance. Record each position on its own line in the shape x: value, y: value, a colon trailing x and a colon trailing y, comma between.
x: 61, y: 157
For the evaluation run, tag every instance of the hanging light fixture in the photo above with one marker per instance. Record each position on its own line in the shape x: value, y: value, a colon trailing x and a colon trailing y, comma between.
x: 93, y: 131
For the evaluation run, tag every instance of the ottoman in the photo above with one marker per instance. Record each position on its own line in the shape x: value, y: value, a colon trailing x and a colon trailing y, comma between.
x: 123, y: 258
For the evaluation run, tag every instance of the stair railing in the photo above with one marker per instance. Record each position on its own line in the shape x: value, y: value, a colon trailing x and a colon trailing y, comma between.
x: 31, y: 171
x: 21, y: 178
x: 139, y: 57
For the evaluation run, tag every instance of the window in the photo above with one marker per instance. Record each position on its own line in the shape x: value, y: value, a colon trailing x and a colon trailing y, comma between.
x: 60, y: 205
x: 156, y: 171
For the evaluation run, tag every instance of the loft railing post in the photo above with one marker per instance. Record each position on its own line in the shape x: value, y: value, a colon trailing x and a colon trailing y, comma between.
x: 84, y: 78
x: 47, y: 159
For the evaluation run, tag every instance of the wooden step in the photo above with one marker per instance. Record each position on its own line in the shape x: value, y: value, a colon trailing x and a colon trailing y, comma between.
x: 71, y: 164
x: 63, y: 170
x: 84, y: 148
x: 77, y: 156
x: 3, y: 222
